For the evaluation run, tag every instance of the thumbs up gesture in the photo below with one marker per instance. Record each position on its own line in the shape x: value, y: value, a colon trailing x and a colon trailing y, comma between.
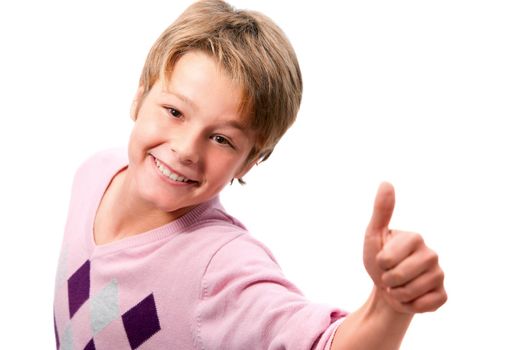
x: 404, y: 270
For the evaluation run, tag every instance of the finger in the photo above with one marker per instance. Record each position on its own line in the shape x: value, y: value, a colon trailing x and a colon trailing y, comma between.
x: 418, y: 287
x: 383, y: 208
x: 410, y: 268
x: 428, y: 302
x: 400, y: 245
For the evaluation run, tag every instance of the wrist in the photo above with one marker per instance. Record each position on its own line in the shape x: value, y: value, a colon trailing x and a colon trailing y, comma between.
x: 376, y: 325
x: 381, y: 304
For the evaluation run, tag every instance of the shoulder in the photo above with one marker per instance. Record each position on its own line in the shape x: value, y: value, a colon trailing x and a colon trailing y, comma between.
x: 236, y: 244
x: 243, y: 260
x: 101, y: 163
x: 245, y: 248
x: 103, y: 159
x: 244, y: 291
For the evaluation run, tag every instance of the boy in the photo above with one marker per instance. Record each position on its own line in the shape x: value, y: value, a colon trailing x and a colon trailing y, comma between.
x: 151, y: 260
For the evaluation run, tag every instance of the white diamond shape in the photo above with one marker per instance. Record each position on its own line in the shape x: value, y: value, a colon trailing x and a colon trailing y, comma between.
x: 66, y: 343
x: 104, y: 307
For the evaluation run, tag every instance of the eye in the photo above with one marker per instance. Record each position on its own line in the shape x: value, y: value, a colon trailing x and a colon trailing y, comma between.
x: 222, y: 140
x: 174, y: 112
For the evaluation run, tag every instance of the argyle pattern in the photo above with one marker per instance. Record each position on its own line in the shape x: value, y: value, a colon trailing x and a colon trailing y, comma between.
x: 100, y: 309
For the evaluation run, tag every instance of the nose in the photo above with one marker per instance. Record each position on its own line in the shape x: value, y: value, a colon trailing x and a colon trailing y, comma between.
x: 186, y: 148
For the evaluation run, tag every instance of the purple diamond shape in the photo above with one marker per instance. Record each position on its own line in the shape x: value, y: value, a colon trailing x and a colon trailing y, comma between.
x: 141, y: 321
x: 78, y: 288
x: 90, y: 345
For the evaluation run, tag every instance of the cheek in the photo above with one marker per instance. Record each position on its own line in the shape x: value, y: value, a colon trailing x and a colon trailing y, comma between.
x: 146, y: 132
x: 222, y: 166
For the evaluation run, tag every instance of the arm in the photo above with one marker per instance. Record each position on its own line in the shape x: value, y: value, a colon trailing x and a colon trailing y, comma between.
x: 246, y: 302
x: 374, y: 326
x: 407, y: 280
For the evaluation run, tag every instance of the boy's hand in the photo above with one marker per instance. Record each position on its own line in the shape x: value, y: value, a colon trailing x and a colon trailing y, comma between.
x: 404, y: 270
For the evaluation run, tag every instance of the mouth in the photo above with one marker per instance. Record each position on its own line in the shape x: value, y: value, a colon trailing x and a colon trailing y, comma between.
x: 171, y: 174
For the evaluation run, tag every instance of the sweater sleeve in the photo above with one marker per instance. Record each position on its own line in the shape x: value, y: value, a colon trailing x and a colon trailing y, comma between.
x: 247, y: 303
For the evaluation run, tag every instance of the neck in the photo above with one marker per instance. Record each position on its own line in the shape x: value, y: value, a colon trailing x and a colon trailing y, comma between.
x: 126, y: 214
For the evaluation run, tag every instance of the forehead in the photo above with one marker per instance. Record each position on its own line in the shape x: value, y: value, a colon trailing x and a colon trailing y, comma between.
x: 199, y: 80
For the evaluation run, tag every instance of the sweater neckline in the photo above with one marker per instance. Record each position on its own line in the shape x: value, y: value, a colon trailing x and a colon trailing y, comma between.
x: 159, y: 233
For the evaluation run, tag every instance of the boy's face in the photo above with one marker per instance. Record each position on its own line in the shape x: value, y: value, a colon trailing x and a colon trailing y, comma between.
x: 189, y: 139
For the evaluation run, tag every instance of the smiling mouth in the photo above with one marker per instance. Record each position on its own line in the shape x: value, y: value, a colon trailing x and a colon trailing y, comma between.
x: 171, y: 175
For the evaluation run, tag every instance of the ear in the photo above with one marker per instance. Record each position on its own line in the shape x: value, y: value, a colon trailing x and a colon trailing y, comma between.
x: 244, y: 170
x: 134, y: 110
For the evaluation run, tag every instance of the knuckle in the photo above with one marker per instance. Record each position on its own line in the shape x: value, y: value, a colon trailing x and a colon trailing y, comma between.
x: 397, y: 276
x: 443, y: 298
x: 432, y: 258
x: 437, y: 305
x: 393, y: 278
x: 386, y: 279
x: 384, y: 261
x: 418, y: 239
x: 431, y: 304
x: 405, y: 295
x: 419, y: 307
x: 441, y: 276
x: 437, y: 278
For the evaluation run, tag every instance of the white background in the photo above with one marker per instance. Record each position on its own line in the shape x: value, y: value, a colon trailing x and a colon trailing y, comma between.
x: 427, y: 95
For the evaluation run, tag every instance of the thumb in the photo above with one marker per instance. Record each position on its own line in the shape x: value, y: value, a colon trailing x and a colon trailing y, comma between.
x: 383, y: 209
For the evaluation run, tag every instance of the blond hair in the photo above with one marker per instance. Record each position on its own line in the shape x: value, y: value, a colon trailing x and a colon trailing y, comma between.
x: 252, y: 49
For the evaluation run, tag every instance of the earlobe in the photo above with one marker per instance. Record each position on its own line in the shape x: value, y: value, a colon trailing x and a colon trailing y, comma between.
x: 244, y: 170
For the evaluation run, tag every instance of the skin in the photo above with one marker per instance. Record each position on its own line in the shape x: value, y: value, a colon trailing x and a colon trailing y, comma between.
x: 407, y: 280
x: 193, y: 127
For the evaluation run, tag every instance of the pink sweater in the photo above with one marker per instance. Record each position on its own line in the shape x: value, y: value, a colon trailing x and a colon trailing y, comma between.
x: 199, y: 282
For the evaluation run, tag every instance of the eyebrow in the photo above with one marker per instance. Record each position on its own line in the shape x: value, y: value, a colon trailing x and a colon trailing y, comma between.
x: 234, y: 124
x: 181, y: 97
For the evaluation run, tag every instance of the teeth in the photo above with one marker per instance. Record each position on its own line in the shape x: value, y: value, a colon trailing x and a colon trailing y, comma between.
x: 169, y: 174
